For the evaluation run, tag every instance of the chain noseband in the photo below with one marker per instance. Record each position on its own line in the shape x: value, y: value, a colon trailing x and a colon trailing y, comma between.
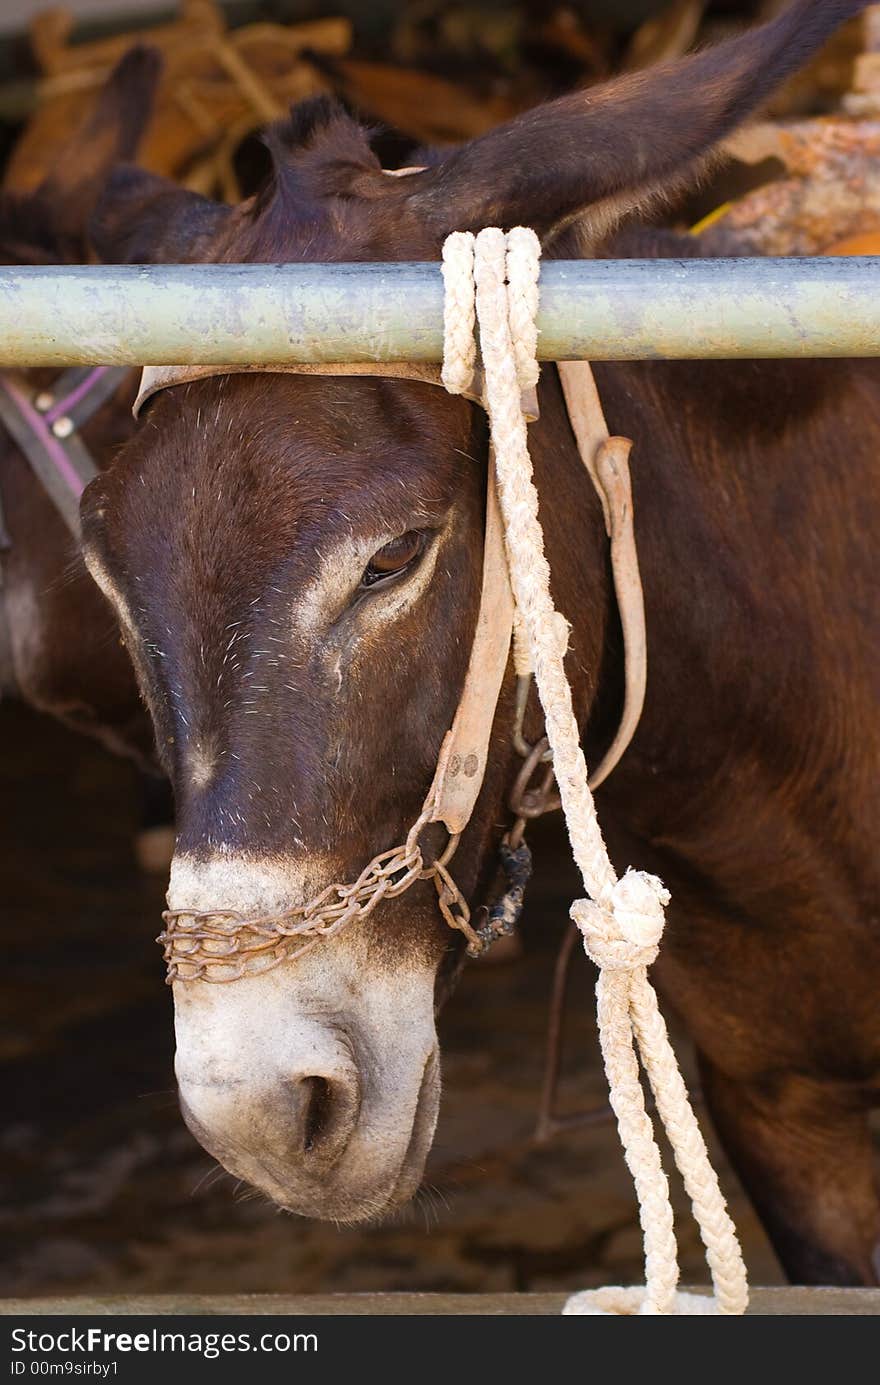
x: 224, y: 945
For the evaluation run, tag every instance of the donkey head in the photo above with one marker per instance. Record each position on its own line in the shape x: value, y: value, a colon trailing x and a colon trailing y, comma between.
x: 296, y: 564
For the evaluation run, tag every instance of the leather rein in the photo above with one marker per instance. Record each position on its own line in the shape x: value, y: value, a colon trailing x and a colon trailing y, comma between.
x: 222, y: 945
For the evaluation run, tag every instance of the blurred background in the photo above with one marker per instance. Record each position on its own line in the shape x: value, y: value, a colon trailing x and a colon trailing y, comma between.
x: 103, y: 1189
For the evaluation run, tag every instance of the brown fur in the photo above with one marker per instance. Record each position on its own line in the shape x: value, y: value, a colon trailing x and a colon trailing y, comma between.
x: 749, y: 785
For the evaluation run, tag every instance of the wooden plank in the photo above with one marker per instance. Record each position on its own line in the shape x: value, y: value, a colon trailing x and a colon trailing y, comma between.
x: 800, y: 1302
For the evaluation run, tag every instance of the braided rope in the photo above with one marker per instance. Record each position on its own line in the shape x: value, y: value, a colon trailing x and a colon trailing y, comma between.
x: 493, y: 278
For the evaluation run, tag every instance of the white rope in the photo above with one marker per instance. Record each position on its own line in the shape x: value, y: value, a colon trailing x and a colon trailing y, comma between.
x: 493, y: 279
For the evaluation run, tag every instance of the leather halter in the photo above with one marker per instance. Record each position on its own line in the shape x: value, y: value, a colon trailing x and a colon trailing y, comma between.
x: 461, y: 764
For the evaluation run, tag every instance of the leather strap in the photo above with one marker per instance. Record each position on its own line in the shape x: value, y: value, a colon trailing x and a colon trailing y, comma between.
x: 158, y: 377
x: 607, y: 461
x: 464, y: 754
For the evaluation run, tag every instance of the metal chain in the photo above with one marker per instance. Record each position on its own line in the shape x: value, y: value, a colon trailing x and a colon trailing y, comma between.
x: 223, y: 945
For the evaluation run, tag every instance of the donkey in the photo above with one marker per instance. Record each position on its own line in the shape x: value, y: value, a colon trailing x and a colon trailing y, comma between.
x: 295, y: 563
x: 59, y: 643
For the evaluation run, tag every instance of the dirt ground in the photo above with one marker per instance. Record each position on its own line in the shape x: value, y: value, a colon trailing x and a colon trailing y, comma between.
x: 103, y: 1188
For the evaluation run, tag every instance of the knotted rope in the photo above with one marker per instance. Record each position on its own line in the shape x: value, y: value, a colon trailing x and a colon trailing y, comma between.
x: 492, y: 280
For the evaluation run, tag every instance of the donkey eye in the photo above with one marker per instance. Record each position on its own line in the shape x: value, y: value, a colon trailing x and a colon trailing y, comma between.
x: 394, y: 558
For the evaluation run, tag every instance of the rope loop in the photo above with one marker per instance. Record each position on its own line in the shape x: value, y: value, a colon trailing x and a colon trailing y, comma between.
x: 491, y: 281
x: 522, y: 267
x: 459, y: 314
x: 634, y: 1303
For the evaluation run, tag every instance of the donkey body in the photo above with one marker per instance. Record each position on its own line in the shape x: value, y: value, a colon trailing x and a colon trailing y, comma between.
x: 295, y: 564
x: 750, y: 787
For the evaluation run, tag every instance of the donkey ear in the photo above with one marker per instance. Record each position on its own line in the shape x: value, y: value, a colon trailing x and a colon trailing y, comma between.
x: 56, y: 212
x: 111, y: 132
x: 597, y: 153
x: 142, y: 218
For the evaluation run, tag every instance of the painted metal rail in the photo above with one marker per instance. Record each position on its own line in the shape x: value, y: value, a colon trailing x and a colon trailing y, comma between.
x: 590, y: 309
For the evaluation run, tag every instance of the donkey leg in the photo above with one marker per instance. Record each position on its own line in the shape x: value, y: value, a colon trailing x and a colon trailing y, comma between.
x: 803, y: 1151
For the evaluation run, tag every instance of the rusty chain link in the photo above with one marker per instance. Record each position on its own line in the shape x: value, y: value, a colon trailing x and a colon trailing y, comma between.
x: 223, y: 945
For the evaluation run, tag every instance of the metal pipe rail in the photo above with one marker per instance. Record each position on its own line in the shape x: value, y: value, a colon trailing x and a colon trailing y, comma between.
x: 589, y: 310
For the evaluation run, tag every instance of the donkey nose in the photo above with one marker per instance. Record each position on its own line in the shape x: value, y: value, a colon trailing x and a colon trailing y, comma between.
x: 294, y: 1112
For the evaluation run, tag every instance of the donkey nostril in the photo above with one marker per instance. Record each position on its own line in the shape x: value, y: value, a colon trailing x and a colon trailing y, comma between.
x: 316, y: 1114
x: 324, y: 1113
